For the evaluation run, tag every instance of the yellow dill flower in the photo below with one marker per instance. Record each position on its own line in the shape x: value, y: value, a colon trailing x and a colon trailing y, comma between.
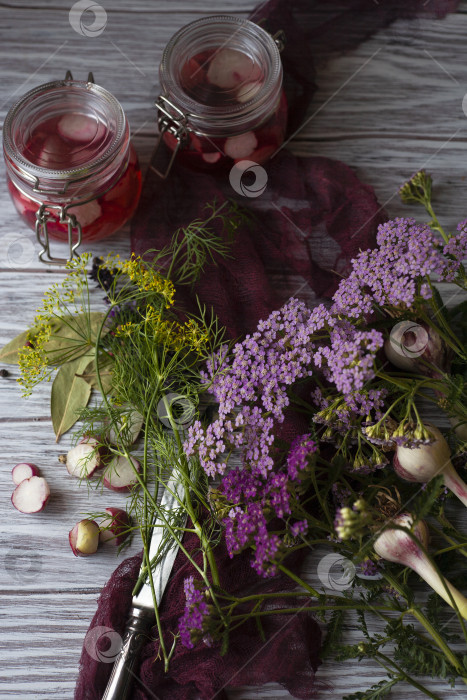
x: 126, y: 329
x: 32, y: 359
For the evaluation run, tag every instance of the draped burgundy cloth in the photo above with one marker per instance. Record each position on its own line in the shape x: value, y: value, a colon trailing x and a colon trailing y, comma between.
x: 312, y: 218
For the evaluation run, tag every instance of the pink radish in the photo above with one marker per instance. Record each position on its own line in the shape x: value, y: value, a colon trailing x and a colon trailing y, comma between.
x: 22, y: 471
x: 86, y: 213
x: 120, y: 474
x: 127, y: 428
x: 83, y: 460
x: 31, y: 495
x: 84, y: 538
x: 229, y: 68
x: 115, y: 528
x: 77, y: 127
x: 248, y: 90
x: 211, y: 157
x: 240, y: 146
x: 53, y: 154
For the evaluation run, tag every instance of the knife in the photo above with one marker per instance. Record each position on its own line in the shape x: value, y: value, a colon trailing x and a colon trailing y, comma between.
x: 142, y: 613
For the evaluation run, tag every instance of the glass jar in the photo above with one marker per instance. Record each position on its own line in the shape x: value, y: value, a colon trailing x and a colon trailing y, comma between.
x: 72, y: 171
x: 221, y: 95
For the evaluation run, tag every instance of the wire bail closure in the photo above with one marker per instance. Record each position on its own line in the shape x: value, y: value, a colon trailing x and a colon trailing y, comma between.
x: 42, y: 234
x: 43, y: 215
x: 175, y: 124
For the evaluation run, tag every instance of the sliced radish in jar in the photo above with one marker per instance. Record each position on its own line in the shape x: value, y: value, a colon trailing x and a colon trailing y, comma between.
x: 229, y: 68
x: 53, y: 154
x: 120, y: 474
x: 248, y: 90
x: 211, y: 157
x: 77, y: 127
x: 240, y: 146
x: 31, y: 495
x: 23, y: 471
x: 86, y: 213
x: 261, y: 155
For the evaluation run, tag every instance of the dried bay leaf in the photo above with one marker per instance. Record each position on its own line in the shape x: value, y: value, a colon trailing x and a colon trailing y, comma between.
x: 70, y: 393
x: 9, y: 352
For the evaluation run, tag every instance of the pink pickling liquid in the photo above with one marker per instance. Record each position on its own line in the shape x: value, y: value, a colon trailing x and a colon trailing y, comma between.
x: 63, y: 142
x: 227, y: 77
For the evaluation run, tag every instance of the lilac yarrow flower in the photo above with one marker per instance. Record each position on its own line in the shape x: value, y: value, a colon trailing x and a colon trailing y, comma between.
x: 300, y: 450
x: 349, y: 360
x: 193, y: 620
x: 456, y: 247
x: 393, y: 273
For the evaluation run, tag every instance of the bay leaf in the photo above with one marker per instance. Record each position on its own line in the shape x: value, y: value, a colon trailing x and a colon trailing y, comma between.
x: 69, y: 394
x: 9, y: 352
x: 73, y: 336
x: 90, y: 375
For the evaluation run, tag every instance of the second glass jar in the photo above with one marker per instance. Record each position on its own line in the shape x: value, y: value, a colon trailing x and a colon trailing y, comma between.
x: 222, y: 99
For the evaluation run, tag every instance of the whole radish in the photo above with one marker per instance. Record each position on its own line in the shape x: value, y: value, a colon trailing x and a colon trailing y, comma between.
x: 398, y: 546
x: 423, y: 463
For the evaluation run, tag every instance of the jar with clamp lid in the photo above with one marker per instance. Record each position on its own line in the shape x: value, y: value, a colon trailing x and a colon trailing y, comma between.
x: 221, y: 95
x: 72, y: 171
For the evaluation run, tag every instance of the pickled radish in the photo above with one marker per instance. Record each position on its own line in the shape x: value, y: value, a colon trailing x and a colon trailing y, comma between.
x: 248, y: 90
x: 87, y: 213
x: 211, y: 157
x: 227, y: 78
x: 241, y: 146
x: 68, y: 141
x: 229, y: 68
x: 77, y: 127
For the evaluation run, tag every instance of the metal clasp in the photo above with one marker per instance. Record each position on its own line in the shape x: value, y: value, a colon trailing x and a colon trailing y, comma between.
x: 171, y: 119
x: 279, y: 39
x: 42, y: 234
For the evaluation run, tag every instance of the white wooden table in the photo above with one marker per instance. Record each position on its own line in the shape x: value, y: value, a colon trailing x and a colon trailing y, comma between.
x: 388, y: 108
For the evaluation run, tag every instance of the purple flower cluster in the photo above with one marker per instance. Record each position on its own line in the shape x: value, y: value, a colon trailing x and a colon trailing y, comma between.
x: 349, y: 357
x: 255, y: 500
x: 393, y: 273
x: 300, y: 450
x: 456, y: 247
x: 196, y: 612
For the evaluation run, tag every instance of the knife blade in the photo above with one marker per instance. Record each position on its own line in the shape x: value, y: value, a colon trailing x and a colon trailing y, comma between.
x: 142, y: 614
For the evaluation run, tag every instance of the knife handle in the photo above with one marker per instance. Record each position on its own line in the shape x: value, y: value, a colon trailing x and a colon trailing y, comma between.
x: 121, y: 679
